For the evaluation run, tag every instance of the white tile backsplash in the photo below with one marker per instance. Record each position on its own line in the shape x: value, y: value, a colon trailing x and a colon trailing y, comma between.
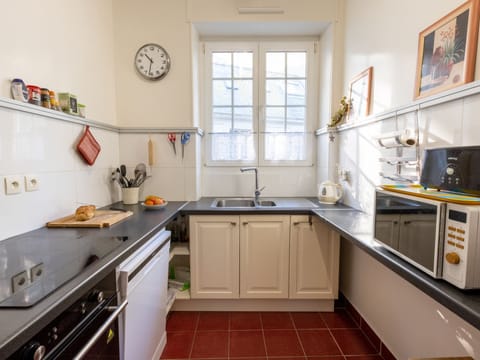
x: 46, y: 147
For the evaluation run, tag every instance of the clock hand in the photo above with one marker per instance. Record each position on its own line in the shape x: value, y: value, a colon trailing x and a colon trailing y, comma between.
x: 150, y: 67
x: 149, y: 58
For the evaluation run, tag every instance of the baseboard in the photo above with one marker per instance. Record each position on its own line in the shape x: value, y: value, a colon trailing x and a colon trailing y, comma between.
x: 160, y: 347
x: 253, y: 305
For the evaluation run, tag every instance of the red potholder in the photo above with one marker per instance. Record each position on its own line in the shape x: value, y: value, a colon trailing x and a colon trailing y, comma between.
x: 88, y: 147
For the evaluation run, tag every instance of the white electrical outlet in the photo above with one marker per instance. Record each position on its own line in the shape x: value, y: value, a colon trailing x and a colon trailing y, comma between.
x: 13, y: 184
x: 32, y: 183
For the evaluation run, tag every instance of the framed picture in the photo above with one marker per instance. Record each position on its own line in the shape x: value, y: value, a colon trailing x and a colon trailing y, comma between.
x: 360, y: 95
x: 447, y: 50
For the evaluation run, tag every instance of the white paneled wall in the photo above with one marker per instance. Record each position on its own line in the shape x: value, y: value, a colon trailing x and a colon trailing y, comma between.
x: 36, y: 144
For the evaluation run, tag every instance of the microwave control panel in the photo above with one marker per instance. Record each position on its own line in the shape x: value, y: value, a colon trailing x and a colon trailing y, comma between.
x: 460, y: 246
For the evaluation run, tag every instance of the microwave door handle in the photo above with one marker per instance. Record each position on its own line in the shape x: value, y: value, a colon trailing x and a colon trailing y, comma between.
x: 120, y: 308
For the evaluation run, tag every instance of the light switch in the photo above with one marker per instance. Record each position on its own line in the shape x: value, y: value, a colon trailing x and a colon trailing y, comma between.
x: 31, y: 183
x: 13, y: 184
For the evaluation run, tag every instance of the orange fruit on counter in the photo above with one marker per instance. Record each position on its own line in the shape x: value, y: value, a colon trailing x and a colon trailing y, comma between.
x: 158, y: 201
x: 149, y: 202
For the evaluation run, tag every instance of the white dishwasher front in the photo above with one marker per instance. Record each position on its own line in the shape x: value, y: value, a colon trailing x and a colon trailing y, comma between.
x: 143, y: 280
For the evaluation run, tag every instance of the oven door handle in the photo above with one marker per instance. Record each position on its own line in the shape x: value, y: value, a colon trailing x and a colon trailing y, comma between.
x: 101, y: 330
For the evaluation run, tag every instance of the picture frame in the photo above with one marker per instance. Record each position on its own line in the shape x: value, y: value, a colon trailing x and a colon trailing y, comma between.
x: 360, y: 91
x: 447, y: 51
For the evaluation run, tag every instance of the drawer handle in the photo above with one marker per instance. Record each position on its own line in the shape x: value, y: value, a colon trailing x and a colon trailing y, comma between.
x: 245, y: 223
x: 233, y: 223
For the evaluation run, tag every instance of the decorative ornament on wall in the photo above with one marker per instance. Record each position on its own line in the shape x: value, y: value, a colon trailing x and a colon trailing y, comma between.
x: 152, y: 62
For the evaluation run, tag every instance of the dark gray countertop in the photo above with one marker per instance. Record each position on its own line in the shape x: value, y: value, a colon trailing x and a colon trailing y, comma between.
x: 19, y: 325
x: 353, y: 225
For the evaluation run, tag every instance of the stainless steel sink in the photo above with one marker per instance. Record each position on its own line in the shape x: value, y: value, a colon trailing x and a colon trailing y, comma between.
x: 266, y: 203
x: 228, y: 203
x: 241, y: 203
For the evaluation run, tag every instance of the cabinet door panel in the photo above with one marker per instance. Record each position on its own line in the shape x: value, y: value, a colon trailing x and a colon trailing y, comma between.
x: 314, y: 259
x: 264, y: 256
x: 214, y: 259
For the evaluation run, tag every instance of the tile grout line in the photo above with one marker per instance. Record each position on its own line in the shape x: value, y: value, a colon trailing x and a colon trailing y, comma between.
x: 194, y: 335
x: 298, y: 335
x: 333, y: 337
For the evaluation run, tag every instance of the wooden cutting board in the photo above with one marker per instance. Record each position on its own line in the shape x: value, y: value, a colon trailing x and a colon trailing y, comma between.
x: 102, y: 218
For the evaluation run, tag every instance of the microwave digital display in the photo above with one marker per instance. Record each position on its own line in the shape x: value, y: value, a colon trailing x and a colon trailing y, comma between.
x: 457, y: 216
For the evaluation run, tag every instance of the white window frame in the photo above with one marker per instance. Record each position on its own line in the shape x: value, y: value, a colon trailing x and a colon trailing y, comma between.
x: 259, y: 49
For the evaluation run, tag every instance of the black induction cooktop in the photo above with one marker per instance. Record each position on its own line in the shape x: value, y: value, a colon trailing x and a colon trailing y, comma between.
x: 33, y: 267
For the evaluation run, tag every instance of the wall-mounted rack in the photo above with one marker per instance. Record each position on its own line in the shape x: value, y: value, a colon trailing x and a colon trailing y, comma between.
x: 399, y: 152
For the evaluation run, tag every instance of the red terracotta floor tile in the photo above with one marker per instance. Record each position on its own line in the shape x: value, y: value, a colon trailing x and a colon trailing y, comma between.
x: 353, y: 342
x: 247, y: 343
x: 276, y: 320
x: 282, y: 343
x: 210, y: 344
x: 339, y: 319
x: 182, y: 321
x: 364, y: 357
x: 318, y: 342
x: 245, y: 321
x: 179, y: 345
x: 286, y: 358
x: 213, y: 321
x: 339, y: 357
x: 308, y: 320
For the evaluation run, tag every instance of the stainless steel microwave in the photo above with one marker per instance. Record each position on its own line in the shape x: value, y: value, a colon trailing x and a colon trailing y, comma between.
x: 412, y: 228
x: 440, y: 238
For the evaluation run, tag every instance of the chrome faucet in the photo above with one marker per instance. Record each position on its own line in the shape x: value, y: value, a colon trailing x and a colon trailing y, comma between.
x: 257, y: 190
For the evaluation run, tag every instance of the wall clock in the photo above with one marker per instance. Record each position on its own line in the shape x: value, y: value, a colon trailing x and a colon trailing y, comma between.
x: 152, y: 62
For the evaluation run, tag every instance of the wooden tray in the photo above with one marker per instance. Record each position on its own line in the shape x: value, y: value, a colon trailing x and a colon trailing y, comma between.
x: 433, y: 194
x: 102, y: 218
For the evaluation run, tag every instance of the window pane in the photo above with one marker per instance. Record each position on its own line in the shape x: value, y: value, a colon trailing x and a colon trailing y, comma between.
x: 222, y: 119
x: 275, y: 92
x: 243, y: 65
x: 236, y: 146
x: 274, y: 119
x: 296, y: 64
x: 275, y: 64
x: 221, y: 65
x: 296, y: 92
x: 243, y: 118
x: 242, y: 94
x: 295, y: 119
x: 222, y: 92
x: 285, y: 146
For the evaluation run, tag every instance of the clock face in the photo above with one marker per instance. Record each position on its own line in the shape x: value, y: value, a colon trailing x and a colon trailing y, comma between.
x: 152, y: 62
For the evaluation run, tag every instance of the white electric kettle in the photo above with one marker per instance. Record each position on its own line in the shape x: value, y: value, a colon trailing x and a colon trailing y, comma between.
x: 329, y: 192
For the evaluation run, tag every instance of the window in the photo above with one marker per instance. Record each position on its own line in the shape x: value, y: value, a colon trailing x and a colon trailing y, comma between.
x: 258, y: 102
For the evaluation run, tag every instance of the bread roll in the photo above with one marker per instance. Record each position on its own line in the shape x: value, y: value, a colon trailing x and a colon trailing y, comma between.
x: 85, y: 212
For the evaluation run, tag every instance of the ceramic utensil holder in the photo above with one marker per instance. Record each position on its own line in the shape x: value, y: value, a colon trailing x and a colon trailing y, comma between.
x: 130, y: 195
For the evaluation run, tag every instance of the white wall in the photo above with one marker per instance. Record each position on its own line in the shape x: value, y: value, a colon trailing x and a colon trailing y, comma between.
x: 384, y: 34
x: 410, y: 323
x: 376, y: 34
x: 63, y: 45
x: 145, y: 103
x: 45, y: 147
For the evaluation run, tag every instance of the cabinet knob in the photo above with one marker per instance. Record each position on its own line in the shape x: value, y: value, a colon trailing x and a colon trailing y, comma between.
x: 452, y: 258
x: 233, y: 223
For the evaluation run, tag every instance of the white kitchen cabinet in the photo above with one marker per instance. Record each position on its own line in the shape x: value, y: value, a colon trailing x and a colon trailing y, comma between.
x: 214, y: 257
x: 314, y: 259
x: 264, y: 256
x: 239, y: 256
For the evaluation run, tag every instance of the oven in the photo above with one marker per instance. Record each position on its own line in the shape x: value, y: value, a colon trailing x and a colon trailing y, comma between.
x: 88, y: 329
x: 411, y: 227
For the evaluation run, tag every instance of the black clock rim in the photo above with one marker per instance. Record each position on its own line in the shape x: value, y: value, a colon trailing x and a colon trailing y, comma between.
x: 167, y: 69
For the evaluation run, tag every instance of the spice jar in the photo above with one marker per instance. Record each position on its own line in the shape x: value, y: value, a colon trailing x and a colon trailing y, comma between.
x: 34, y: 94
x: 53, y: 101
x: 19, y: 90
x: 45, y: 98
